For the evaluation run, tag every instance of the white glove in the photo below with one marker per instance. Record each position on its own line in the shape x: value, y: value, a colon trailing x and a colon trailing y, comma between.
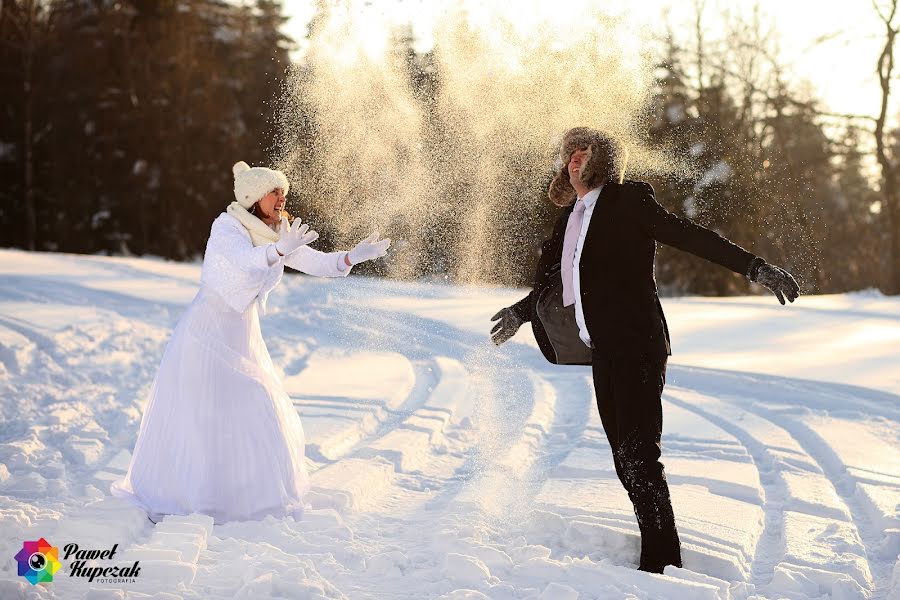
x: 369, y: 249
x: 291, y: 237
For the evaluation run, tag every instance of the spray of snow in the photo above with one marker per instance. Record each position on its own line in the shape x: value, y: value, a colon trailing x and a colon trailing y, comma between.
x: 462, y: 166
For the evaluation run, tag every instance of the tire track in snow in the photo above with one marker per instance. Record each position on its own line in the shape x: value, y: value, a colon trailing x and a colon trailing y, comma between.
x: 845, y: 485
x: 552, y: 431
x: 767, y: 548
x: 406, y: 443
x: 785, y: 474
x: 382, y: 418
x: 604, y: 527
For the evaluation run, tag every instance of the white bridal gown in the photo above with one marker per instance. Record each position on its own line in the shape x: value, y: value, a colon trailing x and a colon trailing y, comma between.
x: 219, y: 435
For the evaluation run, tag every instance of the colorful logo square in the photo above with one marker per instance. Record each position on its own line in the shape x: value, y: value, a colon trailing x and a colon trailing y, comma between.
x: 38, y: 561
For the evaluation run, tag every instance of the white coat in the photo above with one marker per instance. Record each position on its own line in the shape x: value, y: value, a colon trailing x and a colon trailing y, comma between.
x: 219, y: 435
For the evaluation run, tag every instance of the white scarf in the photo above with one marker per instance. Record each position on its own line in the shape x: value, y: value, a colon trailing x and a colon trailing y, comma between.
x: 260, y: 233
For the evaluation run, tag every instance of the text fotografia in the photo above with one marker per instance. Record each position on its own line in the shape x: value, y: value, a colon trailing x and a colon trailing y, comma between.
x: 114, y: 574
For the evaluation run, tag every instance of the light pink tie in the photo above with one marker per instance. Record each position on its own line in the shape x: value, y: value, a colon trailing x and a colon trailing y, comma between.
x: 573, y: 232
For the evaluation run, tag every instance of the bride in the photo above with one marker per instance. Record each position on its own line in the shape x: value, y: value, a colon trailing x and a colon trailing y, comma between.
x: 219, y: 435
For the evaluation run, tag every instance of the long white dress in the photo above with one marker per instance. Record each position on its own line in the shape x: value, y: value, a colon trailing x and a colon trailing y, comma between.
x: 219, y: 435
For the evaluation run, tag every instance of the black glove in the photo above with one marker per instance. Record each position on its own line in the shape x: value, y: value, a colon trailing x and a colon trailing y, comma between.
x: 779, y: 282
x: 507, y: 327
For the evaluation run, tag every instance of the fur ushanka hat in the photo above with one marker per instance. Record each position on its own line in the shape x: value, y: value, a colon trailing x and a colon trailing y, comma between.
x: 607, y: 158
x: 251, y: 184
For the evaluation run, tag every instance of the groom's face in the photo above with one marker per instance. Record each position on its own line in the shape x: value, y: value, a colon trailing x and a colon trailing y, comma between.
x: 576, y: 164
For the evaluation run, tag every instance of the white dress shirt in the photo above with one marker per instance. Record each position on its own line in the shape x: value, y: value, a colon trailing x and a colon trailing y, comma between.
x: 590, y: 200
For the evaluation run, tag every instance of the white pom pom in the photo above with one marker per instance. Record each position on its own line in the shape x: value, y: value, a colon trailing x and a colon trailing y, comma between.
x: 240, y: 167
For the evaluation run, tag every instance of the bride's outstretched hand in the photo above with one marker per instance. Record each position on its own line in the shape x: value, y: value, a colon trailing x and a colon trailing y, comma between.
x: 369, y: 249
x: 291, y: 237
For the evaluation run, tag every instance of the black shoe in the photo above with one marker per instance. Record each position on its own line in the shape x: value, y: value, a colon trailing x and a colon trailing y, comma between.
x: 658, y: 567
x: 654, y: 558
x: 651, y: 569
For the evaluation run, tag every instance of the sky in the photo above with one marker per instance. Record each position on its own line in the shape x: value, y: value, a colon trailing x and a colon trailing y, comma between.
x: 841, y: 70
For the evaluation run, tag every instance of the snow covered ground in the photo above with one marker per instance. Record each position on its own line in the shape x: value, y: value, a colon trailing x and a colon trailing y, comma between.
x: 444, y: 467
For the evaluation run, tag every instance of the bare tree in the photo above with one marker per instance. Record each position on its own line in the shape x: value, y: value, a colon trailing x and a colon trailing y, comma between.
x: 28, y: 21
x: 889, y: 204
x: 699, y: 7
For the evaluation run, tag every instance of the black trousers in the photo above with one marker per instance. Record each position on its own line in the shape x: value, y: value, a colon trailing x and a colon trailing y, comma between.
x: 629, y: 398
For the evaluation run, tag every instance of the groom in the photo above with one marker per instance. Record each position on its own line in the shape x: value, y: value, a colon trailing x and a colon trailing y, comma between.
x: 603, y: 246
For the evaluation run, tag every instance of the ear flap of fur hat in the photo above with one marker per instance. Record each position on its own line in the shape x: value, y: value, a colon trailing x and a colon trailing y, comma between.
x: 252, y: 183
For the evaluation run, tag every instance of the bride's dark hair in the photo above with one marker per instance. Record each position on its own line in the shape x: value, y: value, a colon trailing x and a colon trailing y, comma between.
x: 607, y: 159
x: 284, y: 213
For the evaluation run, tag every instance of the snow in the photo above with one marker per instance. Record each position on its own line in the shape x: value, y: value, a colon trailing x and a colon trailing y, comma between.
x: 443, y: 467
x: 718, y: 173
x: 675, y: 114
x: 690, y: 207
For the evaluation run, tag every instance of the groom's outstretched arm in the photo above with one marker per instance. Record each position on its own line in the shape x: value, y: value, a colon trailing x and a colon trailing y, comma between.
x: 672, y: 230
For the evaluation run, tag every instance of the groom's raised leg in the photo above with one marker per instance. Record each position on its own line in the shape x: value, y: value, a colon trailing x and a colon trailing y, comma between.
x: 606, y: 407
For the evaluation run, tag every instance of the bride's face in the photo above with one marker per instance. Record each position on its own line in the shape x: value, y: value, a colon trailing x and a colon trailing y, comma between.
x: 269, y: 207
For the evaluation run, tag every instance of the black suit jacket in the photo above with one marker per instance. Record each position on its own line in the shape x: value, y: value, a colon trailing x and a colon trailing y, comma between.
x: 618, y: 288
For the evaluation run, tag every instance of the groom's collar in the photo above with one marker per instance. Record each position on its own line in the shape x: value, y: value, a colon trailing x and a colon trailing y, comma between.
x: 590, y: 198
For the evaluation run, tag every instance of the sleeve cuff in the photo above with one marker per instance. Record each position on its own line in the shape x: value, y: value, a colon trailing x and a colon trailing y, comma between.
x: 272, y: 255
x: 523, y: 308
x: 753, y: 268
x: 342, y: 266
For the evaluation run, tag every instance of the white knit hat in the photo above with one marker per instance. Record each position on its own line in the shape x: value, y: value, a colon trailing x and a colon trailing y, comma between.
x: 251, y: 184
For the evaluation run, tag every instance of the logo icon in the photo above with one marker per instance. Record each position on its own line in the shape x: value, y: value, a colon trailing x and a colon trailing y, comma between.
x: 38, y: 561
